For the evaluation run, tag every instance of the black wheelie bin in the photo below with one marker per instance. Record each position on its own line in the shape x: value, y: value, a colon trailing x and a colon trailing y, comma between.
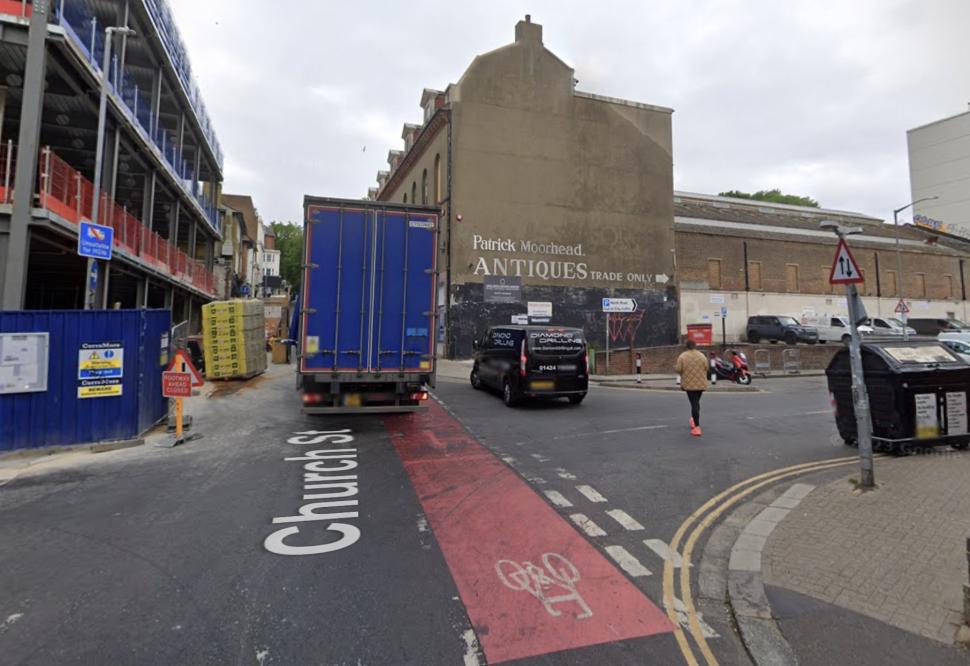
x: 917, y: 395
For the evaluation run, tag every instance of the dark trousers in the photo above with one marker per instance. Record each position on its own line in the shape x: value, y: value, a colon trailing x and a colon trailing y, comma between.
x: 695, y: 405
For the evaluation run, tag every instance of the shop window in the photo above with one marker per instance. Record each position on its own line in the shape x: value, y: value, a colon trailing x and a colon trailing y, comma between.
x: 754, y: 275
x: 791, y: 278
x: 714, y: 273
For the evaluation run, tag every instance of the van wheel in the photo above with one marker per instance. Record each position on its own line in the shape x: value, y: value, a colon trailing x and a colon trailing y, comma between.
x: 846, y: 339
x: 509, y: 395
x: 476, y: 380
x: 754, y: 338
x: 576, y: 399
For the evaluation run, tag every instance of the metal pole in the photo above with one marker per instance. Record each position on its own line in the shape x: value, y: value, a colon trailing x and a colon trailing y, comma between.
x: 99, y: 149
x: 899, y: 270
x: 607, y: 371
x: 860, y: 396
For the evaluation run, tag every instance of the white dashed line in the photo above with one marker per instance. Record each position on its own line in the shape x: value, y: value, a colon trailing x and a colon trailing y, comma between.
x: 627, y: 562
x: 471, y: 648
x: 681, y: 610
x: 624, y: 519
x: 563, y: 474
x: 538, y: 456
x: 557, y: 499
x: 663, y: 551
x: 587, y: 525
x: 508, y: 460
x: 589, y: 492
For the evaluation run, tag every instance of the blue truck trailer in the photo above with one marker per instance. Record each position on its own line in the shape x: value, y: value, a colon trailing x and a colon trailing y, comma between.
x: 367, y: 308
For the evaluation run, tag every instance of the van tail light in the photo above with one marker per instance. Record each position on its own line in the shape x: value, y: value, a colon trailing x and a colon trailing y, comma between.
x: 523, y: 360
x: 835, y: 405
x: 586, y: 362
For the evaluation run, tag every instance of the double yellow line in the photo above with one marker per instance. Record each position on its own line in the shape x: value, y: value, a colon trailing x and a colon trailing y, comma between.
x: 711, y: 511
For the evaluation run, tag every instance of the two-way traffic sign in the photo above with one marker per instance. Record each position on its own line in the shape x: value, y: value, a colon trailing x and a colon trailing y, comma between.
x: 845, y: 269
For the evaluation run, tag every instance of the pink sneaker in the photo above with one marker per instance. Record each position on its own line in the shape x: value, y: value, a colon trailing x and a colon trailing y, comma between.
x: 695, y: 431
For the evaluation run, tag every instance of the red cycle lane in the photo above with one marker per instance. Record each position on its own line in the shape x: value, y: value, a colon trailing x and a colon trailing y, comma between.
x: 530, y: 583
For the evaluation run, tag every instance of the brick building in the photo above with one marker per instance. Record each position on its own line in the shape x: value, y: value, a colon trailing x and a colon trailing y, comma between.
x: 757, y: 258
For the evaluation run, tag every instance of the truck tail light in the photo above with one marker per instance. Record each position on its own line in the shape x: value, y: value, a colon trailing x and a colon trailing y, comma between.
x: 423, y: 395
x: 312, y: 397
x: 523, y: 360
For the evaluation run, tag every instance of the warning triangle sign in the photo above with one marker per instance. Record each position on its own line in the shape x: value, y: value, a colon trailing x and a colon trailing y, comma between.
x: 845, y: 269
x: 182, y: 363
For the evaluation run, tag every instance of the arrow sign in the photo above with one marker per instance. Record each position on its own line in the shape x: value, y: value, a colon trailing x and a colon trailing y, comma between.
x: 662, y: 278
x: 619, y: 305
x: 181, y: 363
x: 845, y: 269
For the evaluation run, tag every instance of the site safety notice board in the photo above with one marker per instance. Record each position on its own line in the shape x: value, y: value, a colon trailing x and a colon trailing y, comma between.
x: 100, y: 369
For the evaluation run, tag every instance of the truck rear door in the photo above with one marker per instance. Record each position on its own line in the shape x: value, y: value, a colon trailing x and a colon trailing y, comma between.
x: 368, y: 301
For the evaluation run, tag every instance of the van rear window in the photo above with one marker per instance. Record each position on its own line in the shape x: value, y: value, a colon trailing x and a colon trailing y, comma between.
x: 556, y: 342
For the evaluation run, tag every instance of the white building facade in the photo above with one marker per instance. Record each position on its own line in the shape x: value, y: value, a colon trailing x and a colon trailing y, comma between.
x: 939, y: 166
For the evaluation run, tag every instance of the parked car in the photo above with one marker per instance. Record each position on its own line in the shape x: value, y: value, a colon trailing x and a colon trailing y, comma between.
x: 532, y: 362
x: 935, y: 326
x: 774, y: 328
x: 836, y: 329
x: 889, y: 326
x: 960, y: 347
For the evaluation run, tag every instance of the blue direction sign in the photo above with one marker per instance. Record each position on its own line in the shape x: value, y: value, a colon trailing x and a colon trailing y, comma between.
x: 94, y: 241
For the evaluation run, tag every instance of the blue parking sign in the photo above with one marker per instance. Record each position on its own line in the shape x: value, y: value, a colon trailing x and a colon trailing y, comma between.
x: 94, y: 240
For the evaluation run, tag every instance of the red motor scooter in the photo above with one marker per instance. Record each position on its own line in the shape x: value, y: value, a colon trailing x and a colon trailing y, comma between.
x: 736, y: 370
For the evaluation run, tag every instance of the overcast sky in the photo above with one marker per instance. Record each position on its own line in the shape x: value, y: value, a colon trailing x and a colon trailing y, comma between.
x: 307, y: 96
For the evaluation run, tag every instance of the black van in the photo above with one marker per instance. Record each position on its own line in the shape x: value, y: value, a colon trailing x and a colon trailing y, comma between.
x: 532, y: 362
x: 935, y: 326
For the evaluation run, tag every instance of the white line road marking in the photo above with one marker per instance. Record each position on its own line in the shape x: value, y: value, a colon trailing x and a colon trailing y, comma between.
x: 422, y: 523
x: 624, y: 519
x: 589, y: 492
x: 611, y: 432
x: 508, y: 460
x: 557, y: 499
x: 684, y: 621
x: 563, y: 474
x: 471, y: 648
x: 627, y: 562
x: 532, y: 478
x: 663, y: 551
x: 541, y: 458
x: 587, y: 525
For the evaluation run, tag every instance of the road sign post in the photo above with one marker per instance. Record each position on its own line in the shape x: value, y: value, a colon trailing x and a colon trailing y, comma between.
x: 611, y: 305
x: 902, y: 309
x: 177, y: 385
x: 845, y: 270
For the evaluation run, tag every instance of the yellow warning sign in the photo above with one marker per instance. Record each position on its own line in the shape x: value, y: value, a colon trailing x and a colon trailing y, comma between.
x: 99, y: 391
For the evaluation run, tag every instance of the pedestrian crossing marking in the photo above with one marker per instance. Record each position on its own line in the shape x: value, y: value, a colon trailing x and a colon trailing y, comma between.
x: 557, y: 498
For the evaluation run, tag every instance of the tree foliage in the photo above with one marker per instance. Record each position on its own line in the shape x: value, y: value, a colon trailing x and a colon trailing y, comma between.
x: 289, y: 241
x: 773, y: 196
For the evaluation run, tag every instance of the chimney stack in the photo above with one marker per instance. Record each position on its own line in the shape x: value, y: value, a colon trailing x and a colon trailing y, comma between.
x: 527, y: 31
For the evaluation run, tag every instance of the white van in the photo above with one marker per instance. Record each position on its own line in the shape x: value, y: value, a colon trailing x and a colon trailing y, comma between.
x: 836, y: 329
x: 889, y: 326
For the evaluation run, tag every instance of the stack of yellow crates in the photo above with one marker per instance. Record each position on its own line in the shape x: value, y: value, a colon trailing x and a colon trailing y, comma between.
x: 233, y: 335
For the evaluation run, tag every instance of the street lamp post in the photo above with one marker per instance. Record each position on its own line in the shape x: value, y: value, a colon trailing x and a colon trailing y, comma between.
x: 899, y: 256
x: 109, y: 34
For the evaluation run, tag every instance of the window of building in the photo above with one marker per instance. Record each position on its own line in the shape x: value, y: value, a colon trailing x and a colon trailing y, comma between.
x: 437, y: 179
x: 920, y: 279
x: 414, y: 192
x: 424, y: 188
x: 405, y: 197
x: 791, y: 278
x: 754, y: 275
x: 714, y: 273
x: 948, y: 286
x: 826, y: 287
x: 890, y: 288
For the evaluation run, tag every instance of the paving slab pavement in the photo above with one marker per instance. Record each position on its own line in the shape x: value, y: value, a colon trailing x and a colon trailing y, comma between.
x: 896, y: 554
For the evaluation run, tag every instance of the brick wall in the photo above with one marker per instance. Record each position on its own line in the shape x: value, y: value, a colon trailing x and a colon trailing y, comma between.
x: 780, y: 260
x: 661, y: 360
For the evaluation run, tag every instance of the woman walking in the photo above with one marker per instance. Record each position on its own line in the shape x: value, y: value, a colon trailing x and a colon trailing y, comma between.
x: 693, y: 372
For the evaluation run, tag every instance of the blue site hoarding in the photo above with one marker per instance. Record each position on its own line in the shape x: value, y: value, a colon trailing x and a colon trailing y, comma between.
x: 91, y: 395
x: 369, y: 289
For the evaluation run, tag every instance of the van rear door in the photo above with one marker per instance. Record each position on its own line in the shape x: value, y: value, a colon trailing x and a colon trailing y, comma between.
x: 556, y: 352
